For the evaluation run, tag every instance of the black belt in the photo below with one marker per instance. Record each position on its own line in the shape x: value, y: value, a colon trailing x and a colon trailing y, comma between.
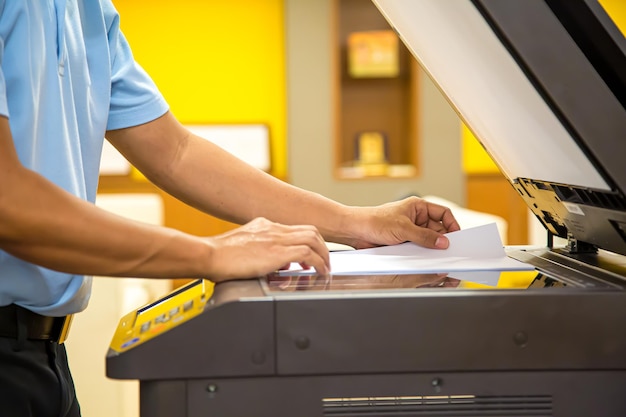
x: 35, y: 326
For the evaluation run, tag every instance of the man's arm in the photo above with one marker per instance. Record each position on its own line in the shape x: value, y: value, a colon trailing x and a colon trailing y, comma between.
x: 205, y: 176
x: 43, y: 224
x: 210, y: 179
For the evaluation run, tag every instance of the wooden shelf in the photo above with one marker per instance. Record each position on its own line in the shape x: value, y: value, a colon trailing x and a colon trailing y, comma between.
x: 386, y: 105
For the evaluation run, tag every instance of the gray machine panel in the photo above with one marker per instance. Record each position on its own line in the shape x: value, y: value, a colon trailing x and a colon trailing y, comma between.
x: 372, y: 345
x: 462, y: 394
x: 469, y: 331
x: 376, y: 324
x: 228, y: 332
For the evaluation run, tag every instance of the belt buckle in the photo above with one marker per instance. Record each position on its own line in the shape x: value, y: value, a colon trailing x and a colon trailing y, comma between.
x: 63, y: 329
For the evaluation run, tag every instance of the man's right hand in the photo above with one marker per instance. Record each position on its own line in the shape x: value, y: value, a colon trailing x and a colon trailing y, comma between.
x: 261, y: 246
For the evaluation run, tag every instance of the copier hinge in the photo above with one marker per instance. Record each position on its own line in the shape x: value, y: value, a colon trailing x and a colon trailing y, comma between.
x: 578, y: 246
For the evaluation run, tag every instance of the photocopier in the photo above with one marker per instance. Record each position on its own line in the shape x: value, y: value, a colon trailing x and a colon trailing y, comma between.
x: 542, y: 86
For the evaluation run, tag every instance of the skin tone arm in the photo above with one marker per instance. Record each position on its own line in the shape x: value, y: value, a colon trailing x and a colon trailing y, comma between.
x: 208, y: 178
x: 43, y: 224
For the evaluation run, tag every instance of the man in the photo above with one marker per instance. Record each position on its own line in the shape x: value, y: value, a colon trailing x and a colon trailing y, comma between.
x: 67, y: 80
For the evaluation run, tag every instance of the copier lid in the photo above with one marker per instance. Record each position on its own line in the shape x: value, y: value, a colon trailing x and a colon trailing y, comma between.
x: 542, y: 85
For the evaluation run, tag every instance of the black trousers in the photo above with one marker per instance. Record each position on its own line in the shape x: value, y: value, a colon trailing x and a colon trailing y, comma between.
x: 35, y: 379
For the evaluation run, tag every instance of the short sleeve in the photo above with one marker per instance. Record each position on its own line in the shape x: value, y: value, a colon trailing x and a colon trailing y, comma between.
x: 135, y: 99
x: 4, y: 106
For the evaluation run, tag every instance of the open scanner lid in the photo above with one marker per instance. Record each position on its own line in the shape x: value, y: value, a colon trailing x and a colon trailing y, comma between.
x: 542, y: 85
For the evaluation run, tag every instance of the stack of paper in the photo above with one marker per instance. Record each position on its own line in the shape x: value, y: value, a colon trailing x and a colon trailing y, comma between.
x: 476, y: 249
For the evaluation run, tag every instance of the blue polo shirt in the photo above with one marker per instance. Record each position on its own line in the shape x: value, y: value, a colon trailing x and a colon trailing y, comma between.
x: 66, y: 76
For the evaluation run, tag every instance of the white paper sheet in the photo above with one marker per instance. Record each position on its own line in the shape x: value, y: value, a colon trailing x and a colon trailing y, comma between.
x: 475, y: 249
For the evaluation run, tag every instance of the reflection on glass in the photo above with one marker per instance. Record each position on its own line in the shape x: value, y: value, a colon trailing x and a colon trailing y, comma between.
x: 507, y: 280
x: 358, y: 282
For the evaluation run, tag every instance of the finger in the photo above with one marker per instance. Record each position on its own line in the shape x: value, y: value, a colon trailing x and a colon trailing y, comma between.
x: 436, y: 226
x: 429, y: 238
x: 309, y: 236
x: 306, y: 255
x: 304, y: 265
x: 440, y: 215
x: 450, y: 222
x: 451, y: 282
x: 447, y: 219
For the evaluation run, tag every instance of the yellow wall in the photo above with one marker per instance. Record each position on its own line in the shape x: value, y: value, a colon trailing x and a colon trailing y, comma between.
x: 215, y: 61
x: 475, y: 159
